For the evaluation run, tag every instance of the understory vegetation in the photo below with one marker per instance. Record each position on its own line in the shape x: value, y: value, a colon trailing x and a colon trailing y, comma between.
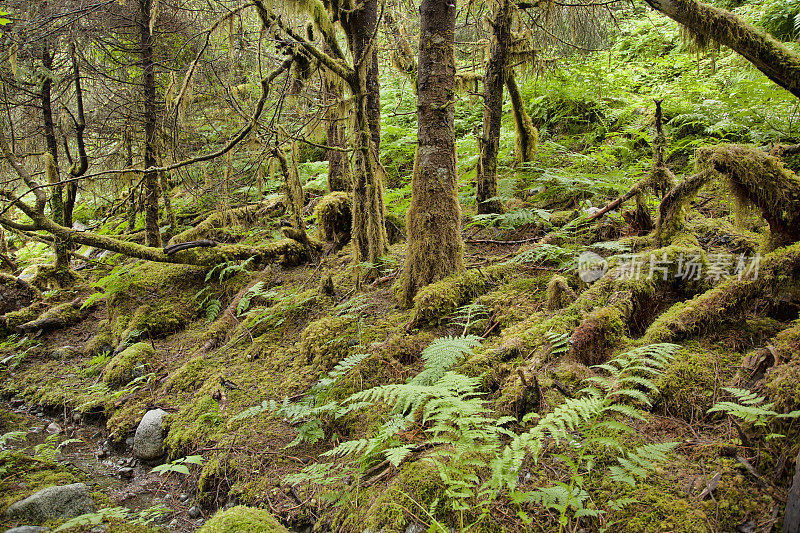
x: 625, y: 371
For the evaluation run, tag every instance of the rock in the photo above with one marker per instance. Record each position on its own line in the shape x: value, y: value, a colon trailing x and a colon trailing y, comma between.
x: 126, y: 472
x: 53, y: 428
x: 28, y: 529
x: 148, y: 441
x: 183, y: 497
x: 65, y: 501
x: 194, y: 512
x: 414, y: 527
x: 77, y: 417
x: 65, y: 352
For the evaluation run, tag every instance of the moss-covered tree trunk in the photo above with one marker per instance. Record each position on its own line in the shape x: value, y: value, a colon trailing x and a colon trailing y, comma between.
x: 777, y: 62
x: 435, y: 247
x: 369, y: 231
x: 527, y: 134
x: 493, y: 82
x: 153, y: 233
x: 60, y: 245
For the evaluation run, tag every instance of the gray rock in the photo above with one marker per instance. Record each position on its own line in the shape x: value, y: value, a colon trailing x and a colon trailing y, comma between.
x: 65, y: 501
x: 194, y: 512
x: 148, y: 441
x: 414, y: 527
x: 53, y: 428
x: 126, y: 472
x: 27, y: 529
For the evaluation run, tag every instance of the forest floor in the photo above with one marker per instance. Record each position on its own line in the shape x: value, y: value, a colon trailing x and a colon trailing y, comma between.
x: 323, y: 402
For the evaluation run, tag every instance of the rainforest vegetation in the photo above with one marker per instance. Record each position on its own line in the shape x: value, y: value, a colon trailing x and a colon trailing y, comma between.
x: 386, y: 266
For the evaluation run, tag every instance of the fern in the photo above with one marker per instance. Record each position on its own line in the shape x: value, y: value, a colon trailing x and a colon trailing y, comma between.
x: 257, y: 290
x: 512, y: 219
x: 442, y: 354
x: 750, y: 408
x: 467, y: 316
x: 541, y: 254
x: 228, y: 269
x: 559, y: 344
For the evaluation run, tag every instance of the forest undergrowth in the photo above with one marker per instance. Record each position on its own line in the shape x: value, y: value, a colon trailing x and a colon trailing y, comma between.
x: 631, y: 371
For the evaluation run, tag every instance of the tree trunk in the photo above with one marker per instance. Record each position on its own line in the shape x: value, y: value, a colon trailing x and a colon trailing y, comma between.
x: 493, y: 82
x: 369, y: 230
x: 60, y: 245
x: 149, y: 92
x: 435, y: 248
x: 338, y: 164
x: 768, y: 55
x: 527, y: 134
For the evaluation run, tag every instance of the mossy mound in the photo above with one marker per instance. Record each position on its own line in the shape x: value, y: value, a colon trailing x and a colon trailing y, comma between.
x: 688, y: 386
x: 129, y: 364
x: 153, y: 300
x: 102, y: 342
x: 781, y: 381
x: 326, y: 341
x: 334, y: 217
x: 241, y: 519
x: 437, y: 301
x: 16, y: 294
x: 60, y: 316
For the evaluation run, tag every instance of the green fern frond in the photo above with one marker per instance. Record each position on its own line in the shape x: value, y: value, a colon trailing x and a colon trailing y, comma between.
x: 442, y: 354
x: 559, y: 344
x: 213, y: 309
x: 543, y: 254
x: 258, y: 289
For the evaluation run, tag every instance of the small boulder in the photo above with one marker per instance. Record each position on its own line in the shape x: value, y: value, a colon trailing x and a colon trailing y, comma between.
x: 65, y: 501
x: 148, y: 441
x: 128, y: 365
x: 27, y: 529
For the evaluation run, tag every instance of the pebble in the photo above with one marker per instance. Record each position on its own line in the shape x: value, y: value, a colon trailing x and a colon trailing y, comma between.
x: 194, y: 512
x: 174, y: 524
x: 126, y: 472
x: 53, y: 428
x: 183, y: 497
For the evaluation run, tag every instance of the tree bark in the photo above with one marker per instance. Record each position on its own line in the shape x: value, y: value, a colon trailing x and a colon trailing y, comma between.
x: 435, y: 248
x: 149, y: 93
x: 493, y: 82
x: 768, y: 55
x: 339, y: 178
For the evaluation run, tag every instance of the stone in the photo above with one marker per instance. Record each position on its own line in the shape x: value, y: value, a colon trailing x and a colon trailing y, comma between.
x: 148, y: 441
x: 193, y: 512
x: 65, y: 501
x: 126, y: 473
x: 27, y: 529
x: 53, y: 428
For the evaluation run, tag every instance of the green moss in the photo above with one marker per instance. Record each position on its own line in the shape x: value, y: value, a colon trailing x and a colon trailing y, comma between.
x: 191, y: 426
x: 688, y: 385
x: 435, y: 302
x: 26, y: 314
x: 325, y: 342
x: 334, y: 217
x: 241, y: 519
x: 781, y: 380
x: 383, y: 507
x: 102, y: 342
x: 153, y: 300
x: 129, y: 364
x: 23, y: 476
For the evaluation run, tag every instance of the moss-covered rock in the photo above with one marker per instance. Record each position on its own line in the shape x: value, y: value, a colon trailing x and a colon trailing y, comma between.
x: 781, y: 380
x: 24, y: 475
x: 241, y: 519
x: 129, y: 364
x: 103, y: 341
